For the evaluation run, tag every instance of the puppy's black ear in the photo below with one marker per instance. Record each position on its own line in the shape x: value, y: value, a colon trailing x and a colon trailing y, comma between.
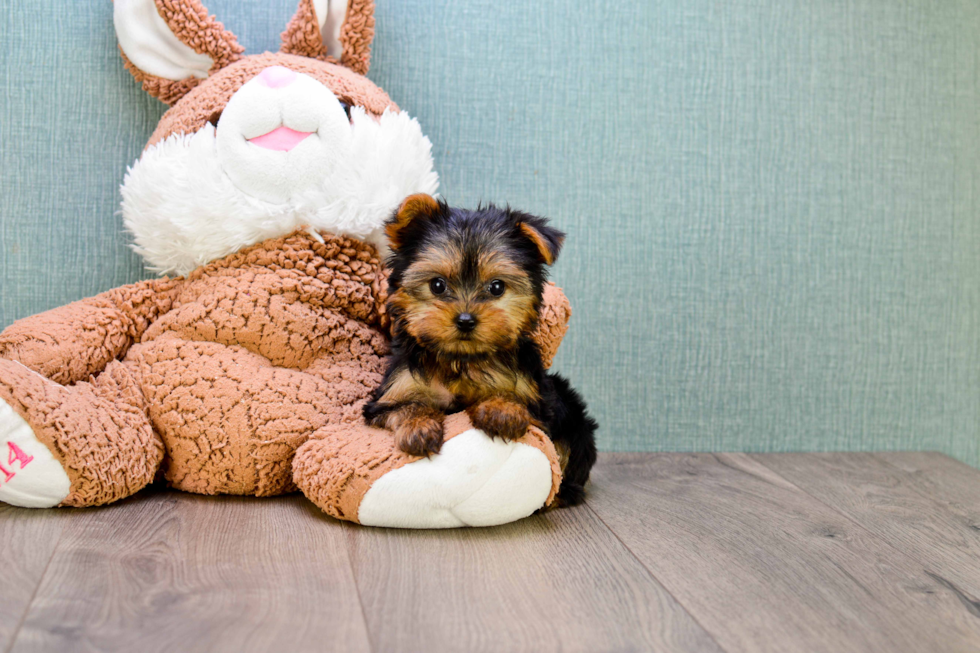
x: 547, y: 240
x: 414, y: 208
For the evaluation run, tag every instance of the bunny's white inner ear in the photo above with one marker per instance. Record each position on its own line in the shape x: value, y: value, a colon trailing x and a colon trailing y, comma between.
x: 148, y: 42
x: 330, y: 16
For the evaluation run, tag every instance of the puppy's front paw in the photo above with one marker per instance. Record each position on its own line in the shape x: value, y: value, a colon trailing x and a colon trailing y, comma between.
x: 500, y: 418
x: 419, y: 436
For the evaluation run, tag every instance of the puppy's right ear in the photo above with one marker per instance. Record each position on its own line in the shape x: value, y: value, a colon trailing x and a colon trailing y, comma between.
x: 546, y: 239
x: 415, y: 208
x: 171, y: 45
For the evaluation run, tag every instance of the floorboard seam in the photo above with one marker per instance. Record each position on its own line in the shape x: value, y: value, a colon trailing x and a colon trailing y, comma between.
x: 348, y: 533
x: 687, y: 610
x: 925, y: 568
x: 30, y: 603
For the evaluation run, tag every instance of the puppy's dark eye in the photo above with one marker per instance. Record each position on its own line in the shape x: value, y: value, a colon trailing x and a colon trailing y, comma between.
x: 346, y: 107
x: 214, y: 118
x: 437, y: 286
x: 496, y: 288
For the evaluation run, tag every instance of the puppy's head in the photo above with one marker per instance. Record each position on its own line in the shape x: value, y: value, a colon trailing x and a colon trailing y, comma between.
x: 467, y: 283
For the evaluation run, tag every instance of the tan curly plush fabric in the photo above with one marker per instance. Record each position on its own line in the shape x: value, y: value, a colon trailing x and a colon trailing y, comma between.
x: 552, y: 323
x: 357, y: 34
x: 219, y: 377
x: 302, y: 36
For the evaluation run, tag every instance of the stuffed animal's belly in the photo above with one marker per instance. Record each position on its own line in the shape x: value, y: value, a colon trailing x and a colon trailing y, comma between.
x: 281, y: 328
x: 229, y: 419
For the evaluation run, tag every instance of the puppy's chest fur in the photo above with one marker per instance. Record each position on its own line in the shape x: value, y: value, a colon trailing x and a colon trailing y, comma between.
x: 456, y: 384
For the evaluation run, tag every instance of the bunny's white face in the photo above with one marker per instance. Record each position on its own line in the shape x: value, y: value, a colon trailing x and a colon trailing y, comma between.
x: 285, y: 152
x: 281, y: 158
x: 282, y: 134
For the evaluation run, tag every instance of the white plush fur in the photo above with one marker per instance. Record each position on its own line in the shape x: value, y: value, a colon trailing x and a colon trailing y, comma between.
x: 474, y: 481
x: 330, y: 17
x: 194, y: 198
x: 41, y: 483
x: 305, y: 105
x: 147, y: 41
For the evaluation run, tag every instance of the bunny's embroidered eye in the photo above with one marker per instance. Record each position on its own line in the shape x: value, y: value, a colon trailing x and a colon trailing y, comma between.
x: 346, y: 107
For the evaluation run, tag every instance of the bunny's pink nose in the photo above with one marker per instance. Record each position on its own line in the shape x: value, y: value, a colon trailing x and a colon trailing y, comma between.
x: 277, y: 76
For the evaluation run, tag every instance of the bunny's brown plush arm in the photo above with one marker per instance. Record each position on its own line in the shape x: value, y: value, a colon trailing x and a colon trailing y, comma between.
x: 552, y: 323
x: 70, y: 343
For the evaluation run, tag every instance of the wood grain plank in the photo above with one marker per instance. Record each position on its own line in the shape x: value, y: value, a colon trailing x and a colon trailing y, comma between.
x: 557, y: 581
x: 27, y: 542
x: 178, y: 572
x: 946, y: 479
x: 763, y: 566
x: 926, y: 505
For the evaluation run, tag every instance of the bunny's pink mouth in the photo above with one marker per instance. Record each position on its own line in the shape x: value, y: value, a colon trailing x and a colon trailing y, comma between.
x: 282, y: 139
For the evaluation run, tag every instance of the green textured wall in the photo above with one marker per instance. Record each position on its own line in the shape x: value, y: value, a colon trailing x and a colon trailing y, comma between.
x: 772, y: 205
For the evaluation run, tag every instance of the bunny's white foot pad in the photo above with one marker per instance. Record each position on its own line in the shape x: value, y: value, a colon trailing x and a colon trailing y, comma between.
x: 474, y: 481
x: 30, y: 477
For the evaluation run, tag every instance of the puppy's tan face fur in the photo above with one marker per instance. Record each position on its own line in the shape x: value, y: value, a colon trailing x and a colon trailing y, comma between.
x: 448, y: 279
x: 464, y: 292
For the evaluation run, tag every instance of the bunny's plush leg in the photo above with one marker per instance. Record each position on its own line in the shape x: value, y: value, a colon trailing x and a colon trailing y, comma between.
x: 83, y: 445
x: 355, y: 472
x: 231, y: 420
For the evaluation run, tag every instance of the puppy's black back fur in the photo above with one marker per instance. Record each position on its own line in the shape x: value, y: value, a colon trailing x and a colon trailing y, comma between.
x: 567, y: 422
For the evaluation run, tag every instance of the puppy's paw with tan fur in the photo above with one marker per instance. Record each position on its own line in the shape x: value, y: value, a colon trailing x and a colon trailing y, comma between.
x: 419, y: 435
x: 500, y: 418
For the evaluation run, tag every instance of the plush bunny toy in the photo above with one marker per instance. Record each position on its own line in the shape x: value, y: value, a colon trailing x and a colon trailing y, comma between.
x: 264, y: 189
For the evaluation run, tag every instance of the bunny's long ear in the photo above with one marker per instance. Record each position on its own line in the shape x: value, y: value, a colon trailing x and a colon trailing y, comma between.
x: 340, y: 31
x: 171, y: 45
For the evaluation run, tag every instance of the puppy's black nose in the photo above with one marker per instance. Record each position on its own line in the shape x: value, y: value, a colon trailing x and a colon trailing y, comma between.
x: 465, y: 322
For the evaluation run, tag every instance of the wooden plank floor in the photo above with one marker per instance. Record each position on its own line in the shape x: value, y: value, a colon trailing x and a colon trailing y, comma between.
x: 672, y: 552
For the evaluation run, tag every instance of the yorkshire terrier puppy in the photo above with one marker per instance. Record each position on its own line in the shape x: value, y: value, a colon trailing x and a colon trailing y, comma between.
x: 464, y: 297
